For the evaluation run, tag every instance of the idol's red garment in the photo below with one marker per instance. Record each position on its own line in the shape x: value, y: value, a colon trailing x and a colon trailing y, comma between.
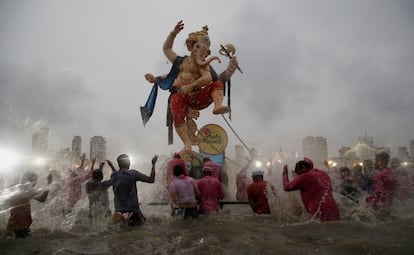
x: 256, y: 194
x: 316, y: 192
x: 211, y: 192
x: 385, y: 189
x: 199, y: 100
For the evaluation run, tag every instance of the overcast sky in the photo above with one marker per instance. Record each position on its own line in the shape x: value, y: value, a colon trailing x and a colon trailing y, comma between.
x: 336, y: 69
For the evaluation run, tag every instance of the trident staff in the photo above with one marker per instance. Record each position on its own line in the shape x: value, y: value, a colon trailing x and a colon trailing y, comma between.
x: 229, y: 50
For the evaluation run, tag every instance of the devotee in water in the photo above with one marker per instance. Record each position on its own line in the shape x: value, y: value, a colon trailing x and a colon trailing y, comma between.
x: 385, y: 184
x: 123, y: 183
x: 184, y: 193
x: 98, y: 195
x: 315, y: 189
x: 210, y: 192
x: 176, y: 160
x: 348, y: 188
x: 242, y: 182
x: 257, y: 193
x: 20, y: 214
x: 73, y: 186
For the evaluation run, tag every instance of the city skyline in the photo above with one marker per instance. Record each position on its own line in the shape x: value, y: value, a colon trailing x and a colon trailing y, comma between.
x: 314, y: 147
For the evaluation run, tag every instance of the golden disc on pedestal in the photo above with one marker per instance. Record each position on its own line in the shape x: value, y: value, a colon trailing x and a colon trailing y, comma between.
x: 213, y: 139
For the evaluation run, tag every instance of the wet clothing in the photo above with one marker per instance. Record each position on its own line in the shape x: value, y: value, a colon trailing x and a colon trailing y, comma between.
x: 211, y: 192
x: 385, y: 189
x: 187, y: 213
x: 256, y: 194
x: 183, y: 187
x: 316, y: 192
x: 20, y: 220
x: 74, y: 188
x: 350, y: 190
x: 125, y: 191
x: 98, y: 199
x: 186, y: 202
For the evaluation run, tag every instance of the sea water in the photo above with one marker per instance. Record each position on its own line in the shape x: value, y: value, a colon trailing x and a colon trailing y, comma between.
x: 234, y: 230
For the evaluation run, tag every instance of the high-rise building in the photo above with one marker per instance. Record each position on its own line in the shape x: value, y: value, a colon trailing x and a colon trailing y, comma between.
x: 403, y: 153
x: 98, y: 149
x: 316, y: 149
x: 412, y: 149
x: 239, y: 153
x: 40, y: 140
x: 76, y: 148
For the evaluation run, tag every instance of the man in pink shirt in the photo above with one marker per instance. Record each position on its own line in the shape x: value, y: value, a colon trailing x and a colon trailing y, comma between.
x: 315, y: 189
x: 184, y: 193
x: 210, y: 192
x: 73, y: 185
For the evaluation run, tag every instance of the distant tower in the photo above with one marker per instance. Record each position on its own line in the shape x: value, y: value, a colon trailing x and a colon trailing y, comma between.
x: 76, y: 148
x: 239, y: 153
x: 98, y: 149
x: 403, y: 153
x: 412, y: 149
x: 316, y: 149
x: 40, y: 140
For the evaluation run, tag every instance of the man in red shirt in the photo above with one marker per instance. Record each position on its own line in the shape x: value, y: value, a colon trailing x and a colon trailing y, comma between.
x: 315, y: 189
x: 215, y: 168
x: 257, y: 194
x: 385, y: 183
x: 210, y: 192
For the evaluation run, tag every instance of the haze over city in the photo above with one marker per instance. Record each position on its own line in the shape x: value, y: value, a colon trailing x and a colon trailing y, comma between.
x: 335, y: 69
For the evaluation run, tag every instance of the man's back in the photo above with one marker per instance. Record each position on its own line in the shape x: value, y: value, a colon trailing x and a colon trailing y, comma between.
x: 256, y: 193
x: 183, y: 186
x: 125, y: 190
x: 211, y: 191
x: 316, y: 192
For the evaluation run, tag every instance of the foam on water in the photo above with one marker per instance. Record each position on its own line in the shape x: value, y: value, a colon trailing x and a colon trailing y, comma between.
x: 234, y: 230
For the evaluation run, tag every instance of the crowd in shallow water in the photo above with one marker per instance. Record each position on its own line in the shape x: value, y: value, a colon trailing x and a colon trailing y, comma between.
x: 375, y: 185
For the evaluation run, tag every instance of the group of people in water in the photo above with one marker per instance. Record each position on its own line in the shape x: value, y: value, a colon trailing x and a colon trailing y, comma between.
x: 190, y: 197
x: 378, y: 185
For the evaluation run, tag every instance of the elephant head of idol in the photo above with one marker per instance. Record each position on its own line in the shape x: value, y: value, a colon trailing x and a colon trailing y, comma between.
x: 198, y: 43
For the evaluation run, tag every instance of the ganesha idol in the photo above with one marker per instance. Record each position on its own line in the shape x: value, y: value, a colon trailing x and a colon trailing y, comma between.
x: 193, y: 83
